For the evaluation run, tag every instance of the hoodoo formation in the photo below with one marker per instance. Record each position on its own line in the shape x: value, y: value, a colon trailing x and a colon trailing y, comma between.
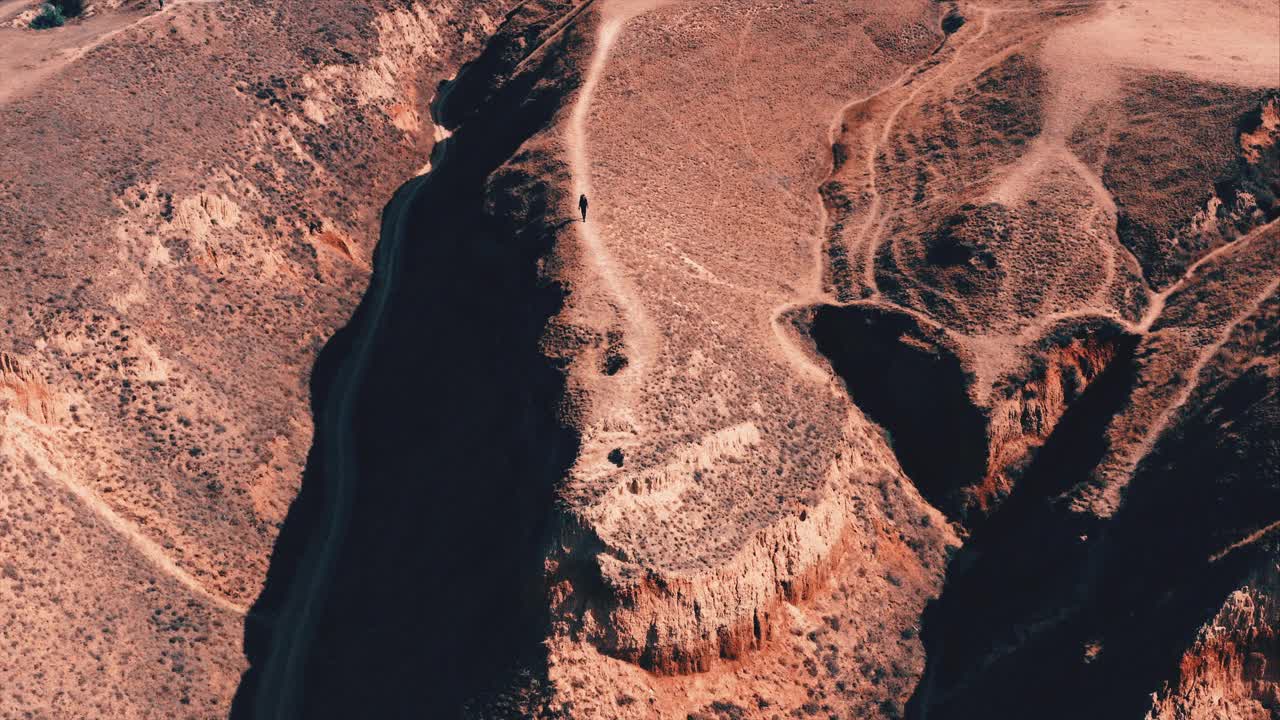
x: 915, y: 359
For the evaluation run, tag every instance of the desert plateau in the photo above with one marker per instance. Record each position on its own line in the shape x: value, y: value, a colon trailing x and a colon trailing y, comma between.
x: 640, y: 359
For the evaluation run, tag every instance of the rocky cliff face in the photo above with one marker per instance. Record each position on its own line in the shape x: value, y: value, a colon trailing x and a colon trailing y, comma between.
x: 1027, y: 405
x: 964, y: 445
x: 1230, y: 669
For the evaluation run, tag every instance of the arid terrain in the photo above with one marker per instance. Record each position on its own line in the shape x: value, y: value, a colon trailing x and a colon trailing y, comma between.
x: 910, y: 359
x: 189, y: 200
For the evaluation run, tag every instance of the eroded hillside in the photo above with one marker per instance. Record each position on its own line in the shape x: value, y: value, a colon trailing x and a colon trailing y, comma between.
x: 910, y: 359
x: 856, y: 365
x: 189, y: 200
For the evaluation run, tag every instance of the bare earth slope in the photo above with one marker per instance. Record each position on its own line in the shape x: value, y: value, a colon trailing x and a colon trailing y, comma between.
x: 188, y: 202
x: 912, y: 359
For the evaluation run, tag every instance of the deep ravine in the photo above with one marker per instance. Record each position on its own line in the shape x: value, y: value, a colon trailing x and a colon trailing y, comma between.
x: 407, y: 580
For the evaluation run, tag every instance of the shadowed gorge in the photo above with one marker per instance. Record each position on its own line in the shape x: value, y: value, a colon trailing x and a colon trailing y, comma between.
x: 641, y: 537
x: 1066, y: 604
x: 456, y: 446
x: 1011, y: 567
x: 1053, y: 612
x: 908, y: 380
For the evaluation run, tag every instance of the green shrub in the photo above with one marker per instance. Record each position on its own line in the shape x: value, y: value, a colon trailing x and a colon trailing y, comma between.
x: 50, y: 17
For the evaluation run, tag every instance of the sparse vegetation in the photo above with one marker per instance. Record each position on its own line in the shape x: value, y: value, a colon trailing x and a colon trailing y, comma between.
x: 187, y: 381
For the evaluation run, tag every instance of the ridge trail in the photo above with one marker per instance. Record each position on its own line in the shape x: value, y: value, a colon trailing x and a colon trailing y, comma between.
x: 637, y: 333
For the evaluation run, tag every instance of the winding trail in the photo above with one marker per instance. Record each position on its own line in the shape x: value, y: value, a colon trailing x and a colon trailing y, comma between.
x: 875, y: 219
x: 794, y: 348
x: 818, y: 293
x: 1158, y: 300
x: 1192, y: 380
x: 169, y: 7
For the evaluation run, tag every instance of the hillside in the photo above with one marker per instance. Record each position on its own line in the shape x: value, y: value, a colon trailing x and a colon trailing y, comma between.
x: 905, y: 360
x: 189, y: 200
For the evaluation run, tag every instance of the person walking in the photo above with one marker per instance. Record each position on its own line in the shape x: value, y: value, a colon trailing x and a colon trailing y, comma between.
x: 582, y: 205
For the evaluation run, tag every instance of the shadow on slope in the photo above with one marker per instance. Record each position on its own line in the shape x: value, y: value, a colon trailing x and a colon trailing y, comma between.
x: 408, y: 578
x: 904, y: 376
x: 1054, y: 612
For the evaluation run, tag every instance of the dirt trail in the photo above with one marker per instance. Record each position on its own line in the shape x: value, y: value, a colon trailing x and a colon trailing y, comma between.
x: 638, y: 333
x: 169, y: 7
x: 1246, y: 541
x: 119, y: 525
x: 869, y: 234
x: 32, y: 56
x: 1158, y: 299
x: 794, y: 349
x: 1192, y: 378
x: 816, y: 293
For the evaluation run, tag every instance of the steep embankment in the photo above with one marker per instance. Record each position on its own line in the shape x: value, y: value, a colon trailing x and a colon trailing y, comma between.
x: 439, y: 441
x: 188, y: 202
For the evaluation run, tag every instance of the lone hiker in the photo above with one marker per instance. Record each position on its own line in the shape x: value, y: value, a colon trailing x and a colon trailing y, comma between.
x: 582, y: 205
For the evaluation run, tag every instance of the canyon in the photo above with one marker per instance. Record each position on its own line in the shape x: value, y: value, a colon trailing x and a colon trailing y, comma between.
x: 911, y: 360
